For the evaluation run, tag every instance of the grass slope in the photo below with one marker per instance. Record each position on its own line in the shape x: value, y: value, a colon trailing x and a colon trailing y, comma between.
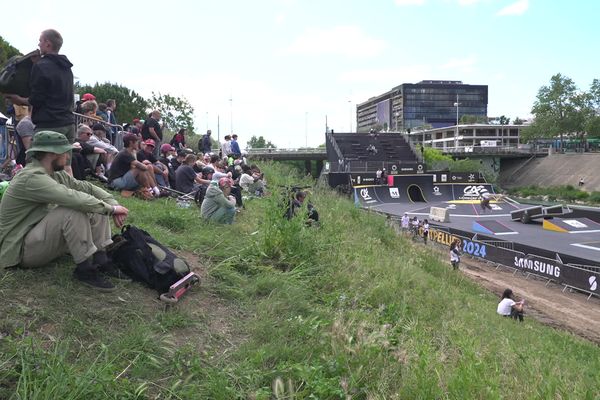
x: 348, y: 310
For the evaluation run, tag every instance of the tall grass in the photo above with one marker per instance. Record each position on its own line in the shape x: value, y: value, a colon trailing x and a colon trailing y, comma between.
x: 345, y: 310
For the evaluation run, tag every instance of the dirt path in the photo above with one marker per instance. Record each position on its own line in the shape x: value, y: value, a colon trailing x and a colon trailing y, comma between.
x: 547, y: 304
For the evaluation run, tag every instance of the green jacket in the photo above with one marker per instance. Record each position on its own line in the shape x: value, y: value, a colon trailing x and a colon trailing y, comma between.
x: 32, y: 194
x: 214, y: 202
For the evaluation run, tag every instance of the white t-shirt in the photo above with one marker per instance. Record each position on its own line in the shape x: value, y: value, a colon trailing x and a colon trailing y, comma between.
x: 405, y: 220
x: 505, y: 306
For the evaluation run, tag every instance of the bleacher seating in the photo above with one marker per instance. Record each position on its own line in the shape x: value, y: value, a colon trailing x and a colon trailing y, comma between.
x: 391, y: 148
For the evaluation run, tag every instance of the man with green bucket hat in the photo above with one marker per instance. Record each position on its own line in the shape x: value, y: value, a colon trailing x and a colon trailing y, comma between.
x: 45, y: 213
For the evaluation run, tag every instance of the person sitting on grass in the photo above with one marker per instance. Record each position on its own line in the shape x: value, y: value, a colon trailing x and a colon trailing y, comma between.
x: 186, y: 179
x: 509, y: 308
x: 147, y: 157
x: 218, y: 204
x: 45, y: 213
x: 296, y: 206
x: 127, y: 173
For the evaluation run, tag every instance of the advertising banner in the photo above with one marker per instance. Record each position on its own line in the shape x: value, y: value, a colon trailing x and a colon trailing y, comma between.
x: 365, y: 178
x: 365, y: 196
x: 458, y: 177
x: 579, y: 278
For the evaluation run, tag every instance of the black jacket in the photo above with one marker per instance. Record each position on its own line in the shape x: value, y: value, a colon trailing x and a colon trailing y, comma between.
x: 52, y: 92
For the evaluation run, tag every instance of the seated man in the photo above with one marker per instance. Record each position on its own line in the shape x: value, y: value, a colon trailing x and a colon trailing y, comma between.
x: 251, y: 181
x: 127, y: 173
x: 166, y: 155
x: 146, y: 156
x: 83, y: 152
x: 91, y: 152
x: 296, y: 206
x: 45, y: 213
x: 186, y: 178
x: 218, y: 205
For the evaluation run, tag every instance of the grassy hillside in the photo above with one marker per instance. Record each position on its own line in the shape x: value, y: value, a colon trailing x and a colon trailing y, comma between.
x: 348, y: 310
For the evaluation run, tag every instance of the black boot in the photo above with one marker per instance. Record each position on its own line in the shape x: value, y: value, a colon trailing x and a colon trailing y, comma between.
x: 89, y: 275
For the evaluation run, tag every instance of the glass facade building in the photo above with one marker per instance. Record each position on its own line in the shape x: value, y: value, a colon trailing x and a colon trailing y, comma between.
x: 411, y: 105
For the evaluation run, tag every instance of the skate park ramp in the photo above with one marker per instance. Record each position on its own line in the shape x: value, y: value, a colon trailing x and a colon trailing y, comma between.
x: 492, y: 227
x: 571, y: 225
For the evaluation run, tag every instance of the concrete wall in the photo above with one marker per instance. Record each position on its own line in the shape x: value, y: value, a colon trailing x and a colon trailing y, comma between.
x: 553, y: 170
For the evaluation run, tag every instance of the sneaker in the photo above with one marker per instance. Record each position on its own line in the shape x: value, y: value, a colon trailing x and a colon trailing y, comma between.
x: 112, y: 271
x: 94, y: 279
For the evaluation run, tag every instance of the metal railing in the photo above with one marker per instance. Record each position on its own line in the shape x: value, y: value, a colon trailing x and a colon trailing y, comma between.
x: 371, y: 166
x: 312, y: 150
x: 489, y: 150
x: 335, y: 145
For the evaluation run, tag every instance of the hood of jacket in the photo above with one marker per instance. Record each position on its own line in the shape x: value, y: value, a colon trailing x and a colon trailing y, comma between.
x: 213, y: 190
x: 60, y: 60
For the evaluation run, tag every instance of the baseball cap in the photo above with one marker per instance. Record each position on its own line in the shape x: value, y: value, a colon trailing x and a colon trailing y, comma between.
x: 150, y: 142
x: 225, y: 181
x: 208, y: 170
x: 50, y: 142
x: 88, y: 96
x: 98, y: 127
x: 166, y: 147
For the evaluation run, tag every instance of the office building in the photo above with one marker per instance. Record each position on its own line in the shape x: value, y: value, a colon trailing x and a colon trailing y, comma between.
x: 432, y: 103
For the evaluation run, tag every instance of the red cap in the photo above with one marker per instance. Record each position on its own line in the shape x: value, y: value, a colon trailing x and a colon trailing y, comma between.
x: 136, y: 120
x: 150, y: 142
x: 88, y: 96
x: 166, y: 147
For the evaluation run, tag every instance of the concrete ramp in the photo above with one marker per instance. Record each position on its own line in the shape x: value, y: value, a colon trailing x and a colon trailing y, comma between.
x: 571, y: 225
x: 492, y: 227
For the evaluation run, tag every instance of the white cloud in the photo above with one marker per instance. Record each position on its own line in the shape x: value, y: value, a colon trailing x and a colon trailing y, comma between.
x: 280, y: 19
x: 463, y: 3
x: 410, y: 2
x: 517, y: 8
x: 462, y: 64
x: 388, y: 76
x: 348, y: 41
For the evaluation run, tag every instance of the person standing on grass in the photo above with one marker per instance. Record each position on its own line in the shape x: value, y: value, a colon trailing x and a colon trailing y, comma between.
x: 455, y: 254
x: 414, y: 226
x: 405, y: 223
x: 509, y: 308
x: 425, y: 230
x: 46, y: 213
x: 51, y: 90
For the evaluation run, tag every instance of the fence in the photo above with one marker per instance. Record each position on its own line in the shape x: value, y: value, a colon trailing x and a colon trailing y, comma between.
x: 583, y: 278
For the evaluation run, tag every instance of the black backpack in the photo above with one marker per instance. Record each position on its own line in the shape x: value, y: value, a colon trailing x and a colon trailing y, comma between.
x: 14, y: 76
x: 144, y: 259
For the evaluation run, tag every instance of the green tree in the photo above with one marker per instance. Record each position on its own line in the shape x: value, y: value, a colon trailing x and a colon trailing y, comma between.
x: 473, y: 119
x: 503, y: 120
x: 130, y: 105
x: 518, y: 121
x: 554, y: 108
x: 592, y: 124
x: 6, y: 52
x: 260, y: 143
x: 176, y: 112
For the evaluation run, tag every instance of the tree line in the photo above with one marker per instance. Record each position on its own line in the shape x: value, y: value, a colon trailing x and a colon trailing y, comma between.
x: 561, y: 108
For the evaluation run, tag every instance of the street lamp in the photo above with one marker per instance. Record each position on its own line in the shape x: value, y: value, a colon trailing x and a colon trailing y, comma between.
x: 456, y: 135
x: 350, y: 114
x: 306, y: 129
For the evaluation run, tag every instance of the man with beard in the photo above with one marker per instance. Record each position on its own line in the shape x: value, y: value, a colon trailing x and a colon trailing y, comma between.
x: 45, y: 213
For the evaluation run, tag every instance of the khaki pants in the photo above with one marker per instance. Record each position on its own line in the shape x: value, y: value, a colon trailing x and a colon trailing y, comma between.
x: 65, y: 231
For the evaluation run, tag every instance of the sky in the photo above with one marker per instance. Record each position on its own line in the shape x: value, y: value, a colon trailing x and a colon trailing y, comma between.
x: 282, y: 68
